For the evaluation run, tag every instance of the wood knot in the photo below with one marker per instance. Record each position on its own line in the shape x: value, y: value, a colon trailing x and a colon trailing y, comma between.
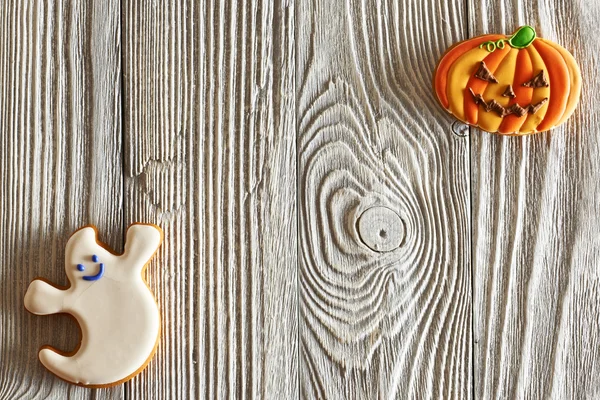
x: 380, y: 229
x: 460, y: 129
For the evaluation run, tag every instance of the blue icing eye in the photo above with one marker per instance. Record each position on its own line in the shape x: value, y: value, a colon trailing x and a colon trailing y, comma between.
x: 95, y: 258
x: 80, y: 267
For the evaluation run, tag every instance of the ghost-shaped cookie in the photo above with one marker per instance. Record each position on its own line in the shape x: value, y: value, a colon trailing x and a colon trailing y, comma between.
x: 112, y: 304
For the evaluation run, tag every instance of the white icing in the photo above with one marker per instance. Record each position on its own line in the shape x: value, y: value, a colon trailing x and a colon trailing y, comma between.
x: 117, y: 313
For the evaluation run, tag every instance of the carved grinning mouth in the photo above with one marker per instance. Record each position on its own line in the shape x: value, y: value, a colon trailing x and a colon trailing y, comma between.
x: 504, y: 111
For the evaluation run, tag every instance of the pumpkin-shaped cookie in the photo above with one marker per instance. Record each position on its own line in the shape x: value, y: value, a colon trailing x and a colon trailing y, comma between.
x: 511, y: 85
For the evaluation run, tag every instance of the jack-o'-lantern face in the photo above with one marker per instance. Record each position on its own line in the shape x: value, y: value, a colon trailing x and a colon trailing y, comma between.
x: 514, y: 108
x: 527, y: 86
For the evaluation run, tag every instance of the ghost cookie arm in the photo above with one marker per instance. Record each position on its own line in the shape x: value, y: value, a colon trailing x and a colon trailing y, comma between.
x: 43, y: 299
x: 142, y: 242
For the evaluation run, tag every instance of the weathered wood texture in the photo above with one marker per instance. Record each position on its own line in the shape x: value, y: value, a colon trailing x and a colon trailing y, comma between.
x: 536, y: 228
x: 327, y: 234
x: 380, y: 324
x: 210, y: 156
x: 60, y: 160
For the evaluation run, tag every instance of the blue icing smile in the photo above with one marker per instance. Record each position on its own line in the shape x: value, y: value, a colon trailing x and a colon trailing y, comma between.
x: 100, y: 273
x: 97, y: 276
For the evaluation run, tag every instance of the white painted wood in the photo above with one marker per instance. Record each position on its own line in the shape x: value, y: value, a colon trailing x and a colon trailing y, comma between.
x: 392, y: 324
x: 536, y: 229
x: 60, y: 161
x: 210, y: 156
x: 274, y: 143
x: 381, y: 229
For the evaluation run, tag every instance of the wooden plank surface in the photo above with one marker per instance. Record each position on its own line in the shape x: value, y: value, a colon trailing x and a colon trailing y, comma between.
x: 329, y: 232
x: 60, y: 161
x: 394, y: 319
x: 536, y: 228
x: 210, y: 156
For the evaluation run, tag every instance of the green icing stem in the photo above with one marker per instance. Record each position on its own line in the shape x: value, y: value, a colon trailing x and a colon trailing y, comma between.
x: 522, y: 38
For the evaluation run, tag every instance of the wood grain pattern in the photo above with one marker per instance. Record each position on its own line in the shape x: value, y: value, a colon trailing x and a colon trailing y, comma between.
x: 330, y: 232
x: 210, y: 157
x: 536, y: 230
x: 60, y: 160
x: 381, y: 324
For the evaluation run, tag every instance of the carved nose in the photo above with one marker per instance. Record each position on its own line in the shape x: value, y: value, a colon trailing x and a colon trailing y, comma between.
x: 509, y: 92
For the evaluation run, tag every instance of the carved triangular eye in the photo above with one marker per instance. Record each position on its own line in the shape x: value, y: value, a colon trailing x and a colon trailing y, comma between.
x: 537, y: 81
x: 484, y: 74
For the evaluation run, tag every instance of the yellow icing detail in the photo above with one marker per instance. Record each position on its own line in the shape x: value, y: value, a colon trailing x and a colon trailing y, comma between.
x: 458, y: 77
x: 533, y: 120
x: 574, y: 77
x: 505, y: 73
